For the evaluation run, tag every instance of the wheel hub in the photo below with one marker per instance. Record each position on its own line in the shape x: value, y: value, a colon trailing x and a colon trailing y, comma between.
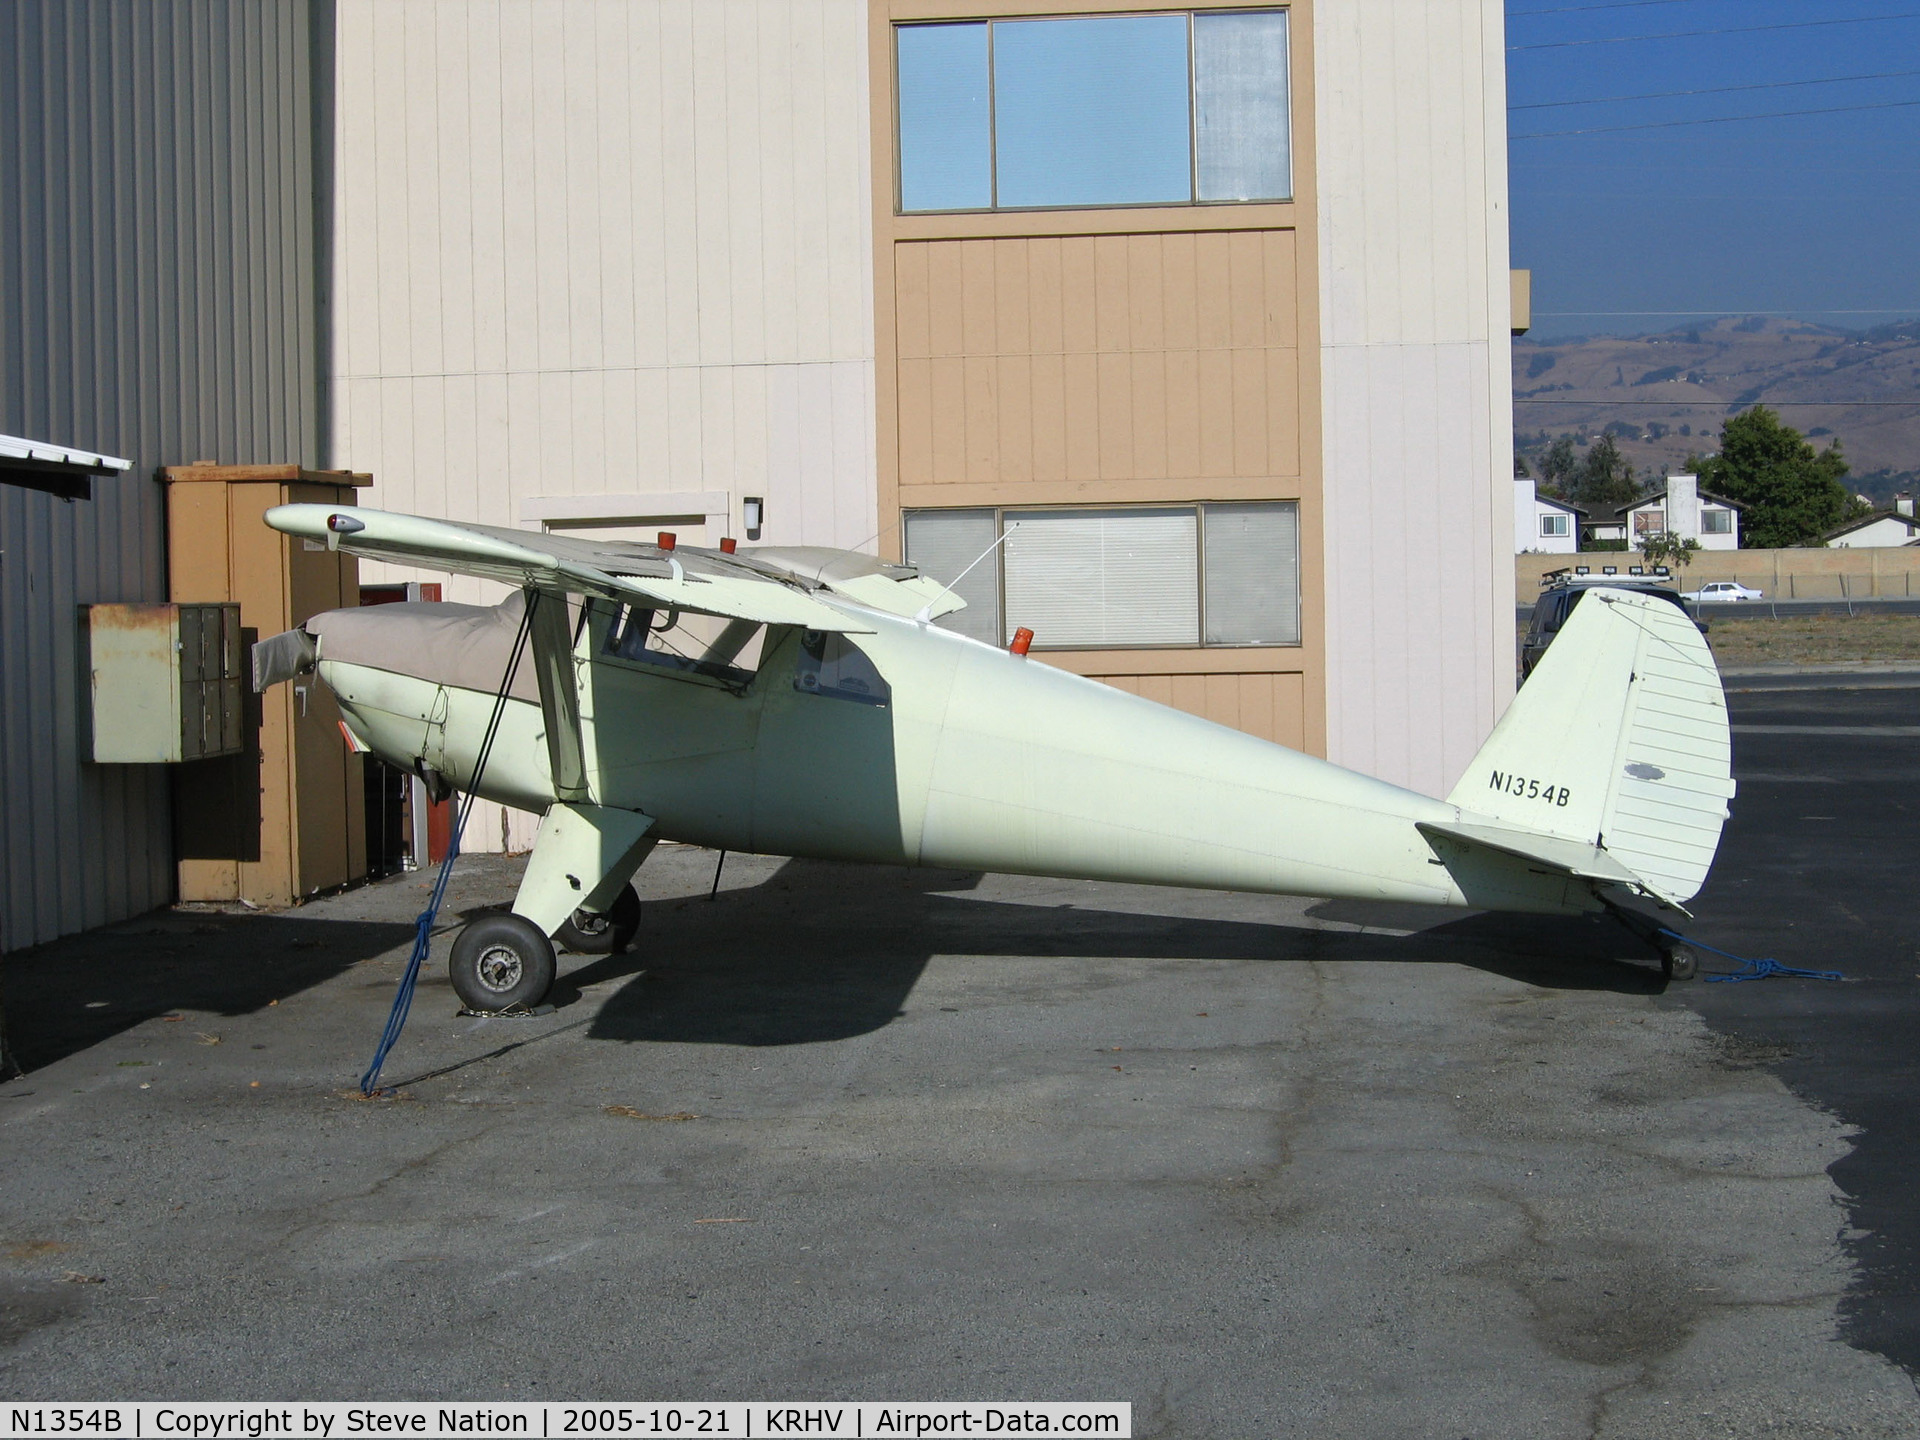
x: 499, y: 969
x: 592, y: 922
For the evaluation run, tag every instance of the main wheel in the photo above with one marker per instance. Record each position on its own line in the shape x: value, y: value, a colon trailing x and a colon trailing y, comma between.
x: 500, y: 961
x: 594, y: 932
x: 1679, y: 962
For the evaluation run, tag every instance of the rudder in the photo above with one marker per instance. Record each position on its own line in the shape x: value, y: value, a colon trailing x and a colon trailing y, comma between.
x: 1618, y: 739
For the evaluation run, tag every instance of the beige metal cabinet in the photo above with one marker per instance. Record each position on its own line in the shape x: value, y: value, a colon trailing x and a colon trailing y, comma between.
x: 165, y: 683
x: 284, y: 819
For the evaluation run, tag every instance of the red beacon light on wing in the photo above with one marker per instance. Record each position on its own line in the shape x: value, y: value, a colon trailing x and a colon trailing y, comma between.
x: 728, y: 544
x: 1022, y: 642
x: 667, y: 540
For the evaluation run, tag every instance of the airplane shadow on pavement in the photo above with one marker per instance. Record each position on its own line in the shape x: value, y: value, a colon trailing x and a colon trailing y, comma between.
x: 817, y: 952
x: 825, y: 952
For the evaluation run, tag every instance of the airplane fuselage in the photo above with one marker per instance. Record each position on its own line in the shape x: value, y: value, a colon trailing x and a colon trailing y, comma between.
x: 947, y: 753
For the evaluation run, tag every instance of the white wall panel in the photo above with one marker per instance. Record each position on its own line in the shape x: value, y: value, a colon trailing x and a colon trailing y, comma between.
x: 1417, y: 394
x: 604, y: 246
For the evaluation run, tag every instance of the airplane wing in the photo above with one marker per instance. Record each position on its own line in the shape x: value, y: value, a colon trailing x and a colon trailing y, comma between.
x: 863, y: 579
x: 704, y: 581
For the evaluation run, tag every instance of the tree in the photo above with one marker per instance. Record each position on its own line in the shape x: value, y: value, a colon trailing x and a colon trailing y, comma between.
x: 1520, y: 470
x: 1557, y: 466
x: 1604, y: 478
x: 1666, y: 548
x: 1792, y: 494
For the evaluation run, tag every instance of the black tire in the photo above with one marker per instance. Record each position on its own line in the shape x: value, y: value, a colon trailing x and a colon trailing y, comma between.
x: 1679, y: 962
x: 588, y: 932
x: 500, y: 962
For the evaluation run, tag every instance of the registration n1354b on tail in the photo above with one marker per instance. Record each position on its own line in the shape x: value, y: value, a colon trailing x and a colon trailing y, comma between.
x: 803, y: 702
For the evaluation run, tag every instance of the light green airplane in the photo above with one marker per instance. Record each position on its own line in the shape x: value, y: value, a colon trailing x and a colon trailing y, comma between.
x: 803, y: 702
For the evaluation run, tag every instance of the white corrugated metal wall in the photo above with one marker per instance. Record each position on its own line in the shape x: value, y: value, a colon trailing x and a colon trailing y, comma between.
x: 157, y: 294
x: 1416, y: 383
x: 587, y: 249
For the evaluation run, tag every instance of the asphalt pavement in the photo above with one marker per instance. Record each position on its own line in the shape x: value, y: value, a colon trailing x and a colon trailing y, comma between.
x: 1818, y: 869
x: 1259, y: 1166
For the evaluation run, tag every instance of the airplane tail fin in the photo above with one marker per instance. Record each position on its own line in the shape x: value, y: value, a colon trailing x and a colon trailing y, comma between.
x: 1618, y: 741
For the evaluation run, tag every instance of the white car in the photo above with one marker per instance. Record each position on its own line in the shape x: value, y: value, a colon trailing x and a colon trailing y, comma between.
x: 1720, y: 590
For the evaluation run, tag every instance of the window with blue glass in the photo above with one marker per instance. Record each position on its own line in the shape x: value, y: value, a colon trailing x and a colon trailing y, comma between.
x: 1096, y: 110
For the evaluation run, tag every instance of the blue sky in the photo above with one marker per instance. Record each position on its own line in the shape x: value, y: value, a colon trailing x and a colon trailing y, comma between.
x: 1812, y: 216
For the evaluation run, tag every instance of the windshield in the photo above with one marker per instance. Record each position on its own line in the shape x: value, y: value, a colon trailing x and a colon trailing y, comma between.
x: 720, y: 649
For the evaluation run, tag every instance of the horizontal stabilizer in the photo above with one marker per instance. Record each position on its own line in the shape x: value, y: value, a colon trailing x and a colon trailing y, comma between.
x: 1575, y: 859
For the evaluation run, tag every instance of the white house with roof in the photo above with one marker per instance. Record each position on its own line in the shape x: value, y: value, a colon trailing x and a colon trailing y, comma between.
x: 1543, y: 525
x: 1882, y: 528
x: 1683, y: 508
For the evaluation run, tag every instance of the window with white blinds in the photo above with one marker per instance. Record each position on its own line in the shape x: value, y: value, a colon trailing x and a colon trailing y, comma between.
x: 943, y: 543
x: 1215, y: 574
x: 1252, y: 555
x: 1089, y: 579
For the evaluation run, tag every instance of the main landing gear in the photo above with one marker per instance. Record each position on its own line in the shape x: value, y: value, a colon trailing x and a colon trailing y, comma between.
x: 574, y: 892
x: 505, y: 962
x: 501, y: 962
x: 602, y: 932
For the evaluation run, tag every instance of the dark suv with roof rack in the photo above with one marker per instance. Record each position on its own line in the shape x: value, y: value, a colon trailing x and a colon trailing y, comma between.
x: 1561, y: 590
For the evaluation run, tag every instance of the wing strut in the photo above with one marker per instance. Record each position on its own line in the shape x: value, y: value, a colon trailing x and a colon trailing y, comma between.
x: 559, y: 695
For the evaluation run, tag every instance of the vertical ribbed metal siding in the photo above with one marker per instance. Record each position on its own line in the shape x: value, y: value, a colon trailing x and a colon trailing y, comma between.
x: 157, y: 301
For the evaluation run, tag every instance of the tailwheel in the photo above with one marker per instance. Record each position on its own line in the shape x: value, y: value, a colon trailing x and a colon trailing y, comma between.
x: 608, y: 932
x: 1679, y: 962
x: 501, y: 962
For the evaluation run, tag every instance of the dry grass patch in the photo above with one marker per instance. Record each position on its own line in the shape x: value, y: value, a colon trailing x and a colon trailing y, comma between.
x: 1816, y: 640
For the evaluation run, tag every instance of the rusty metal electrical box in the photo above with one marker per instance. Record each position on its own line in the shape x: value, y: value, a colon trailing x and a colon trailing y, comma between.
x: 165, y: 682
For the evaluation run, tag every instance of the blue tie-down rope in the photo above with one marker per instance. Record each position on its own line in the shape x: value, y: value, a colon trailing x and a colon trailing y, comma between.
x: 423, y: 922
x: 1755, y: 969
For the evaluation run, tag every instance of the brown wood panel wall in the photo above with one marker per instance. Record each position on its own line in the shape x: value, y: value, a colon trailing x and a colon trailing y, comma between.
x: 1099, y: 357
x: 287, y: 819
x: 1144, y: 355
x: 1271, y: 705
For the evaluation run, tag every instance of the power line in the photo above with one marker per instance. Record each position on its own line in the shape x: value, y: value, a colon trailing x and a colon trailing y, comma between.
x: 1726, y: 30
x: 1715, y: 90
x: 1717, y: 120
x: 1612, y: 5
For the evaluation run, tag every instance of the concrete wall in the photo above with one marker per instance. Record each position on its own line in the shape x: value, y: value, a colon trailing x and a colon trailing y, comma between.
x: 1416, y: 380
x: 604, y: 249
x: 1781, y: 574
x: 156, y: 302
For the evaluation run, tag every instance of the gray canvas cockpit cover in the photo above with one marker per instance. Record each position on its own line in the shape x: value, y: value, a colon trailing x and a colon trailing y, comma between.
x: 462, y: 646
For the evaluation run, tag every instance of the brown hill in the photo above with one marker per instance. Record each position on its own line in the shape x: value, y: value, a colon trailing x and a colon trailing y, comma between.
x: 1665, y: 396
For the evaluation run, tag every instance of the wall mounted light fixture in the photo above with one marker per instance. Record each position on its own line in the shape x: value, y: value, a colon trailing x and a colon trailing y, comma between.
x: 752, y: 510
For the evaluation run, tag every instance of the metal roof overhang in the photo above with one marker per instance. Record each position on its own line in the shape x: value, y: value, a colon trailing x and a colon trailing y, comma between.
x: 55, y: 469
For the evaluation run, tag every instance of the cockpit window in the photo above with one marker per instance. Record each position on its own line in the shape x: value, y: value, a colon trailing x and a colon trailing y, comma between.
x: 834, y: 666
x: 720, y: 649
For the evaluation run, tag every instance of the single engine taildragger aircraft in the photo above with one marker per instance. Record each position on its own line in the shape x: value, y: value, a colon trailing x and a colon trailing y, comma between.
x: 802, y: 702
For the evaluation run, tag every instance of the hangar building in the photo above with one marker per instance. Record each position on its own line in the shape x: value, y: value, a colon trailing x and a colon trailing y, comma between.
x: 1205, y: 306
x: 878, y: 264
